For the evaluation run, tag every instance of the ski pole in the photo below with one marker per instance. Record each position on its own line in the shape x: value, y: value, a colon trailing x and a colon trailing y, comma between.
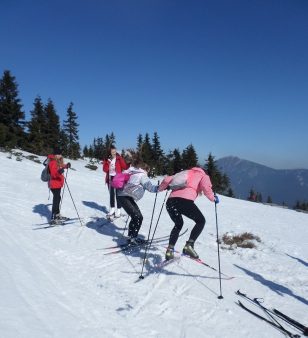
x: 73, y: 202
x: 63, y: 192
x: 220, y: 296
x: 141, y: 277
x: 125, y: 227
x: 150, y: 243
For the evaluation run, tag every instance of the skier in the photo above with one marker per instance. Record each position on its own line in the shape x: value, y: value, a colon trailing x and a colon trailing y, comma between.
x: 132, y: 192
x: 56, y: 169
x: 113, y: 163
x: 181, y: 202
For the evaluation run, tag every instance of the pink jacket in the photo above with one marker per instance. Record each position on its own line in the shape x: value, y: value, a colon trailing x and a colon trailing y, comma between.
x: 200, y: 182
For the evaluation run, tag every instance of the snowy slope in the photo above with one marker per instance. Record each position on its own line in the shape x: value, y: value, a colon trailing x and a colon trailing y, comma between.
x: 55, y: 283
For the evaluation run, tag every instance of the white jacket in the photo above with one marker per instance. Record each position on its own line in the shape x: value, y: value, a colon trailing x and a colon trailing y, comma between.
x: 137, y: 184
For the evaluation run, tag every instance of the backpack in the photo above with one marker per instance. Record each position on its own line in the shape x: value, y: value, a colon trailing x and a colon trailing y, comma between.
x: 181, y: 180
x: 120, y: 179
x: 45, y: 175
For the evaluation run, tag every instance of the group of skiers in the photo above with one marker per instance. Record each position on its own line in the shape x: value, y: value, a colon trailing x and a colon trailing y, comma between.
x: 180, y: 201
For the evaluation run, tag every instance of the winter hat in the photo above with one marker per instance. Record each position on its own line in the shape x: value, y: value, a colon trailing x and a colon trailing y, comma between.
x: 58, y: 151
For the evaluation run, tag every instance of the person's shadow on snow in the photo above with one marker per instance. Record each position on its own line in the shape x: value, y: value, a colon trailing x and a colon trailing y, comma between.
x: 42, y: 210
x: 299, y: 260
x: 103, y: 226
x: 279, y: 289
x: 95, y: 206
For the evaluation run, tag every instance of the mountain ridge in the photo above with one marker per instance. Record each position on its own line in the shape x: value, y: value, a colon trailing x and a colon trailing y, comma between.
x: 282, y: 185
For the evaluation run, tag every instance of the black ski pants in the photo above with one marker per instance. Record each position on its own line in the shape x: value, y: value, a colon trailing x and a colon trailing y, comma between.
x: 178, y: 207
x: 132, y: 210
x: 56, y: 202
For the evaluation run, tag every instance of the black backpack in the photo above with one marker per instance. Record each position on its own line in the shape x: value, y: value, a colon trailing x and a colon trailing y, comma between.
x: 45, y: 175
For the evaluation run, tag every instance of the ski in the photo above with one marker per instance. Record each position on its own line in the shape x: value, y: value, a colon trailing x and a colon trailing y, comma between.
x: 54, y: 226
x: 275, y: 325
x: 198, y: 260
x: 68, y: 219
x: 125, y: 248
x: 291, y: 321
x: 107, y: 220
x: 279, y: 314
x: 155, y: 239
x: 167, y: 261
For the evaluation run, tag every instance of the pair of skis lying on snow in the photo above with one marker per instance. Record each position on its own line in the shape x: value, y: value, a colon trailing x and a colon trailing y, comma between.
x: 270, y: 312
x: 125, y: 247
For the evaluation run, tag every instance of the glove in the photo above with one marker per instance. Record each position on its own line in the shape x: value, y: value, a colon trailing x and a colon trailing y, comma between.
x: 61, y: 171
x: 155, y: 188
x: 68, y: 165
x: 168, y: 188
x: 216, y: 199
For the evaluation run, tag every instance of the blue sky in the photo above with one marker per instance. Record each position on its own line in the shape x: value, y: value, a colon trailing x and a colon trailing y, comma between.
x: 230, y: 77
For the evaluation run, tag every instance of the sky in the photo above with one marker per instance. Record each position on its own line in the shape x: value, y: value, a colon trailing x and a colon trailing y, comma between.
x: 61, y: 282
x: 229, y: 77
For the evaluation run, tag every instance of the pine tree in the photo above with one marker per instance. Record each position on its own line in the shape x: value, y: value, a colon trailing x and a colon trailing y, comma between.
x: 70, y: 129
x: 269, y: 199
x: 100, y: 149
x: 36, y: 137
x: 230, y: 193
x: 147, y: 152
x: 139, y: 141
x: 86, y: 151
x: 189, y: 157
x: 252, y: 195
x: 2, y: 134
x: 11, y: 115
x: 168, y: 164
x: 51, y: 128
x: 220, y: 183
x: 177, y: 161
x: 259, y: 198
x: 112, y: 139
x: 91, y: 151
x: 157, y: 155
x: 297, y: 205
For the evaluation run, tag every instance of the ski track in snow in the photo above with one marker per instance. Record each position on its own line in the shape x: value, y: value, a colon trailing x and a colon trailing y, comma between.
x: 55, y: 283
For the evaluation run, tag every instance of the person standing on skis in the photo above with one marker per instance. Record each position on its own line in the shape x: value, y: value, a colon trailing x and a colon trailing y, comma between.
x: 132, y: 192
x: 113, y: 163
x: 56, y: 170
x: 181, y: 203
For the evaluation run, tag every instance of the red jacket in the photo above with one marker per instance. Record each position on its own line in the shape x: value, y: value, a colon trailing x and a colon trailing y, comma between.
x: 119, y: 166
x: 57, y: 180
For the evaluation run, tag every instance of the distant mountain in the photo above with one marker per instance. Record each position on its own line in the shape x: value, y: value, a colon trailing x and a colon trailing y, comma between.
x: 282, y: 185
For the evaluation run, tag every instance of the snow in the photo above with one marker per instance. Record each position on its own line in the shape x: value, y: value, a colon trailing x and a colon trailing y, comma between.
x: 56, y: 283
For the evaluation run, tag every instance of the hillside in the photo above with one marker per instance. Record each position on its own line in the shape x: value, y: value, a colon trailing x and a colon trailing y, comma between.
x: 286, y: 186
x: 56, y: 282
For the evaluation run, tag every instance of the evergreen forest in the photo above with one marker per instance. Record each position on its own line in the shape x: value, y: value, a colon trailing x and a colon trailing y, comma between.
x: 44, y: 131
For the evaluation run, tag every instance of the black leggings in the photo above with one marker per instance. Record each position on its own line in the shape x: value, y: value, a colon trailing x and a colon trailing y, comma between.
x: 132, y: 209
x: 113, y: 195
x: 56, y: 202
x: 177, y: 207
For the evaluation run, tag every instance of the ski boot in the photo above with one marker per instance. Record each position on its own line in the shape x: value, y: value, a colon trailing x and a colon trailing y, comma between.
x: 61, y: 218
x: 54, y: 222
x: 135, y: 241
x: 170, y: 252
x: 111, y: 213
x: 189, y: 249
x: 119, y: 213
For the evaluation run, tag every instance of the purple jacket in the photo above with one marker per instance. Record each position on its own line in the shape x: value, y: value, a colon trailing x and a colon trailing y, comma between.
x: 200, y: 182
